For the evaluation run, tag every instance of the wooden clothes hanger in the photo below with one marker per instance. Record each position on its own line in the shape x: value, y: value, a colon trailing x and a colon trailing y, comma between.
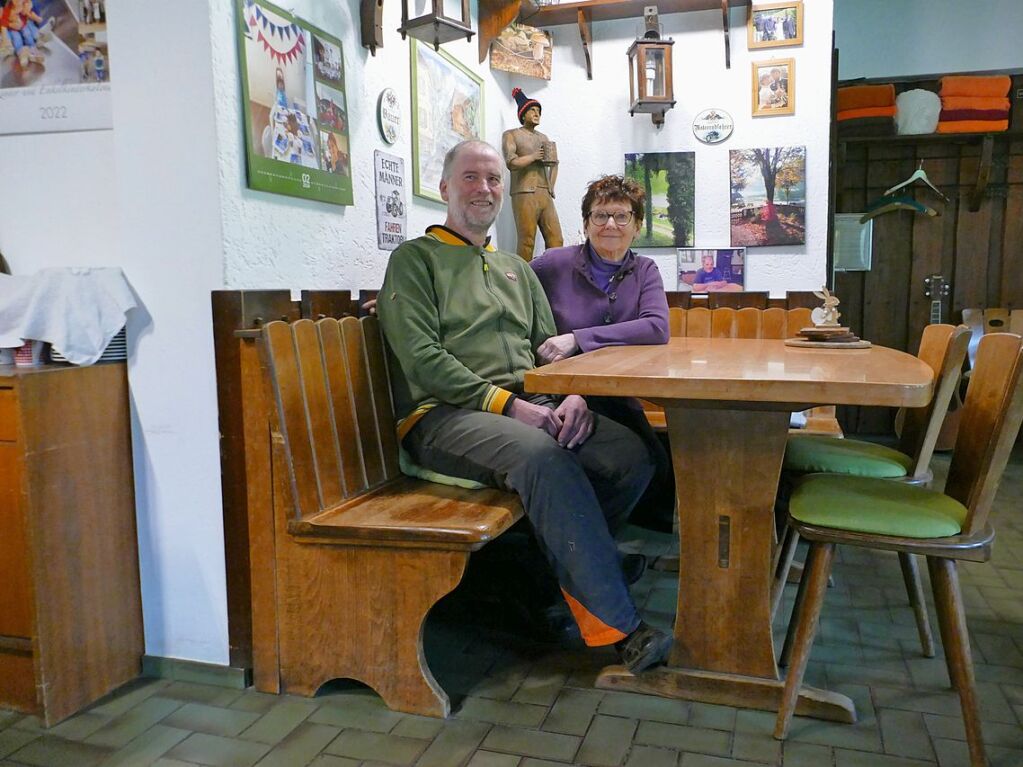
x: 889, y: 204
x: 918, y: 175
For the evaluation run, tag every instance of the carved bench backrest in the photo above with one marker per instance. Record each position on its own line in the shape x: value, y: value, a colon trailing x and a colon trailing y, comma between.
x: 727, y: 322
x: 333, y: 414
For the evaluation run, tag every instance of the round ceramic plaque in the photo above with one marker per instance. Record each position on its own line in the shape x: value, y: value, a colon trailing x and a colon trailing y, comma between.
x: 389, y: 115
x: 712, y: 126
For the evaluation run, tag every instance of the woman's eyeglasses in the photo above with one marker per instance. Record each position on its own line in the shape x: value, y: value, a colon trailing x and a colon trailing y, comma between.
x: 600, y: 217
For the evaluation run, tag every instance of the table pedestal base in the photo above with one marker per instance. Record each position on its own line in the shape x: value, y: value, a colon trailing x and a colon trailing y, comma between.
x: 727, y: 690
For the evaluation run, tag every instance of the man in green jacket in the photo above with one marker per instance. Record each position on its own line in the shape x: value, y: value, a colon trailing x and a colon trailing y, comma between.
x: 463, y: 321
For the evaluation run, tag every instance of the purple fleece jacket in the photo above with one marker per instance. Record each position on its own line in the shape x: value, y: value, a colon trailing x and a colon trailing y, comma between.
x: 638, y: 315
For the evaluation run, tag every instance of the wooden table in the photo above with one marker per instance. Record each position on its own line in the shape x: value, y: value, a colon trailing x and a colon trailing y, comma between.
x: 727, y: 404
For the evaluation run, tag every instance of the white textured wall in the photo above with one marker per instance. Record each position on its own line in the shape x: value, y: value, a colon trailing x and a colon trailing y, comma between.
x: 273, y: 241
x: 168, y: 235
x: 890, y: 38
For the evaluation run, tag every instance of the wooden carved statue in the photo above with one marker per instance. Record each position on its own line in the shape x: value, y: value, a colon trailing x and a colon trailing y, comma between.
x: 532, y: 159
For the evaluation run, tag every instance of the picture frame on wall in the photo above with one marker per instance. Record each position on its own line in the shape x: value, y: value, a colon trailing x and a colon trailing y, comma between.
x: 447, y: 108
x: 294, y: 105
x: 711, y: 270
x: 775, y: 25
x: 773, y: 87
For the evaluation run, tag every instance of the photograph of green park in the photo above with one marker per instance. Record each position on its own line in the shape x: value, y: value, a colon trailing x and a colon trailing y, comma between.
x: 669, y: 179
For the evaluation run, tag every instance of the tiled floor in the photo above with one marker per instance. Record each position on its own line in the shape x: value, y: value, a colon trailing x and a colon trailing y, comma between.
x: 527, y: 706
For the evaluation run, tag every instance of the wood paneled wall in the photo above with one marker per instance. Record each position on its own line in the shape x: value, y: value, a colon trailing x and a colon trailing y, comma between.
x: 980, y: 254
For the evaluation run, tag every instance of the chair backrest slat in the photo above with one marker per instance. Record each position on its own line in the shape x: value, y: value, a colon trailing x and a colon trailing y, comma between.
x: 796, y: 320
x: 698, y: 323
x: 722, y: 322
x: 773, y: 323
x: 381, y: 390
x: 342, y: 406
x: 989, y: 426
x: 362, y: 395
x: 289, y: 418
x: 748, y: 322
x: 943, y: 348
x: 677, y: 322
x: 322, y: 437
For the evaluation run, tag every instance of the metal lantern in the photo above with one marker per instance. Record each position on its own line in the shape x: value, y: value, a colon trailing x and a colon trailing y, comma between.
x: 438, y: 26
x: 650, y: 86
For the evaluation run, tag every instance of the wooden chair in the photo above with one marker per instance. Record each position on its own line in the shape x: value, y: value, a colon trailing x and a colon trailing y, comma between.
x: 943, y: 348
x: 944, y: 527
x: 360, y: 552
x: 755, y: 299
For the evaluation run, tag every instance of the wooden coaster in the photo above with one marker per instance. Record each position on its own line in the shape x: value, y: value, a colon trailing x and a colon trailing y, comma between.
x: 827, y: 344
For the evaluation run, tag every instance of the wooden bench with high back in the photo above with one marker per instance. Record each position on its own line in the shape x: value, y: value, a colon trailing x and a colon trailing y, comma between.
x: 360, y: 552
x: 748, y: 322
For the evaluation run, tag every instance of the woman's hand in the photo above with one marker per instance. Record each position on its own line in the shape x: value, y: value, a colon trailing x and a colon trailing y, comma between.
x: 557, y: 348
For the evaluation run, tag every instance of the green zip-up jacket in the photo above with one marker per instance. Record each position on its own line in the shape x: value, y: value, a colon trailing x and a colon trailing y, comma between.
x: 462, y: 323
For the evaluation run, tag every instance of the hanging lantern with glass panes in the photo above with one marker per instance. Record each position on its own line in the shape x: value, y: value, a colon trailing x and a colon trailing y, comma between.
x: 650, y: 85
x: 439, y: 26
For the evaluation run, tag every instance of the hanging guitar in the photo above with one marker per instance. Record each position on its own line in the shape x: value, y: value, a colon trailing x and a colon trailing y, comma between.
x: 937, y: 289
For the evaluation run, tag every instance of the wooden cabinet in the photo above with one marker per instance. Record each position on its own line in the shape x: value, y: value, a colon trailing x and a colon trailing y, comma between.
x: 70, y: 611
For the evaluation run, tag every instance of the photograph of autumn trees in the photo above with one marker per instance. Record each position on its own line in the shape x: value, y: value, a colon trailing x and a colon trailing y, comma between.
x: 768, y: 196
x: 669, y: 179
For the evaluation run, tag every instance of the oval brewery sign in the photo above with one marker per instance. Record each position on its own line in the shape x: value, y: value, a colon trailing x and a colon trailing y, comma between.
x: 712, y: 126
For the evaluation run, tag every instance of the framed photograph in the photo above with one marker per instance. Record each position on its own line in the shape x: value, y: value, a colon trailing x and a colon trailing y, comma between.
x: 768, y: 188
x: 774, y: 87
x: 447, y: 107
x: 522, y: 50
x: 669, y: 218
x: 711, y: 270
x: 773, y: 25
x: 294, y: 105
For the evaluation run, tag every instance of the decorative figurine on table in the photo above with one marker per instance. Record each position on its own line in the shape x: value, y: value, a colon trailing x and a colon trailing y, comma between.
x: 826, y: 316
x: 532, y: 159
x: 826, y: 333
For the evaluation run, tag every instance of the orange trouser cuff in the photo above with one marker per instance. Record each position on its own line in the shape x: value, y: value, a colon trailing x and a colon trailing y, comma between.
x: 594, y: 631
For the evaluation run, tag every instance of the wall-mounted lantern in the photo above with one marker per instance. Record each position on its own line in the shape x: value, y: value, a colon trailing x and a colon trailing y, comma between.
x: 439, y: 26
x: 650, y: 86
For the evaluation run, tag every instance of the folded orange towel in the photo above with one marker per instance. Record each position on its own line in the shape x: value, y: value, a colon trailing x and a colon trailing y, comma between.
x: 974, y: 102
x: 860, y: 96
x: 853, y: 114
x: 973, y: 126
x: 970, y: 85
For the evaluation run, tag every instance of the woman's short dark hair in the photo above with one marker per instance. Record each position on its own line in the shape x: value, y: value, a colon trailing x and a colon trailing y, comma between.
x: 615, y: 189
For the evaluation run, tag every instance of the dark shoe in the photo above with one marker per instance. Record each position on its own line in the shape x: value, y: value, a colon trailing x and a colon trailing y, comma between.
x: 633, y: 567
x: 644, y: 648
x: 555, y: 624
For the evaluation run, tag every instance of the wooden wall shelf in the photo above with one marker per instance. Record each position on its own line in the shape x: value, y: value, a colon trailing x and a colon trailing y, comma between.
x: 495, y: 15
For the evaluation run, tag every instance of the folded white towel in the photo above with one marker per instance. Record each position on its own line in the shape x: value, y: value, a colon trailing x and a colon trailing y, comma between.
x: 78, y: 310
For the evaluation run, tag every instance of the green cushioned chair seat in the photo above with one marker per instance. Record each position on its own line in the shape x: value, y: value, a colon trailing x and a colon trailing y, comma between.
x: 879, y: 506
x: 410, y: 468
x: 811, y: 454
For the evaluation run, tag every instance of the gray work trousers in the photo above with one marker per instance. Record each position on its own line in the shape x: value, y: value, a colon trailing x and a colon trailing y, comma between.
x: 574, y: 499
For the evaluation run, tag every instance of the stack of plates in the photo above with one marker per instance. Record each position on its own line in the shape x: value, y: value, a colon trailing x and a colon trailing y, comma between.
x: 116, y: 351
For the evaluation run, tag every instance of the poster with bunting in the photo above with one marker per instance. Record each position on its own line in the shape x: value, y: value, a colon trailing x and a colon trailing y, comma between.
x: 294, y: 105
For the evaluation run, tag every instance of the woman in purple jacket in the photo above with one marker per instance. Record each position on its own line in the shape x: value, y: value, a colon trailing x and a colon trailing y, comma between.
x: 603, y: 294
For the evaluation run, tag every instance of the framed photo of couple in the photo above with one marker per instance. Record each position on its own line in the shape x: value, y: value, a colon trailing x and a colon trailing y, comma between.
x: 774, y: 87
x: 774, y: 25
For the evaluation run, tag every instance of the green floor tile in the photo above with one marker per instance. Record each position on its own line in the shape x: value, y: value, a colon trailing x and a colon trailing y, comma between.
x: 686, y: 739
x: 48, y: 751
x: 501, y: 712
x: 134, y: 721
x: 607, y: 742
x: 151, y: 745
x: 217, y: 751
x: 300, y: 746
x: 389, y: 749
x: 492, y: 759
x: 361, y: 712
x: 212, y: 720
x: 275, y: 725
x: 542, y: 745
x: 649, y: 756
